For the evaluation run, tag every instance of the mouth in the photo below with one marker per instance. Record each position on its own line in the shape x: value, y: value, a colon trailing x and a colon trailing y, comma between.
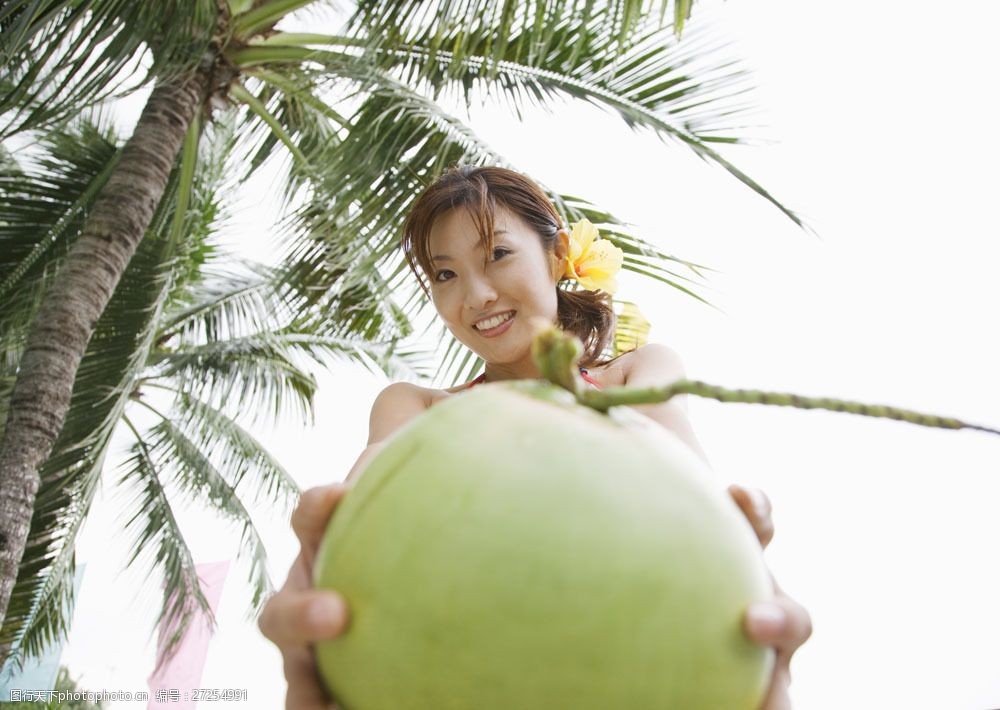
x: 496, y: 325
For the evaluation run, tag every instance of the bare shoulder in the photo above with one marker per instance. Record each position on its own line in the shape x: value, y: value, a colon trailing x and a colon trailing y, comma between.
x: 648, y: 363
x: 653, y: 363
x: 395, y: 405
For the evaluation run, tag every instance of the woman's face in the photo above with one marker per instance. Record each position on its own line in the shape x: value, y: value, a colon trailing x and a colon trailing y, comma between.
x: 518, y: 280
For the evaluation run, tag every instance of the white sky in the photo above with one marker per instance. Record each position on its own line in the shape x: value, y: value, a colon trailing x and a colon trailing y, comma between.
x: 885, y: 531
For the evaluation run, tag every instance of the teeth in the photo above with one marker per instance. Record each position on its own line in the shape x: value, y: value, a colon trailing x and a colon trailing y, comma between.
x: 494, y: 321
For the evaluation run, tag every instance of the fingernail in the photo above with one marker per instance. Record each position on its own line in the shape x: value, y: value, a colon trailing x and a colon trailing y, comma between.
x: 326, y: 613
x: 757, y: 498
x: 766, y: 618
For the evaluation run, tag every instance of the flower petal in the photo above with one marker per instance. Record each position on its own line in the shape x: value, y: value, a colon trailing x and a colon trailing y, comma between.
x: 584, y: 232
x: 604, y: 282
x: 582, y: 237
x: 599, y: 265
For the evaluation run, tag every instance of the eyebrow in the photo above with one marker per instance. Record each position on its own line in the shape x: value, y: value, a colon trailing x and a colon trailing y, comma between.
x: 445, y: 257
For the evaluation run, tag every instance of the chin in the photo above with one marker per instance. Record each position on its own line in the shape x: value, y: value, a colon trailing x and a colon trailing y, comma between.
x: 502, y: 354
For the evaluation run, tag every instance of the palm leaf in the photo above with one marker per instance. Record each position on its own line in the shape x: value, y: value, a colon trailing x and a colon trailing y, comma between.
x: 689, y: 93
x: 527, y: 27
x: 77, y: 157
x: 259, y: 371
x: 110, y: 366
x: 631, y: 328
x: 61, y: 56
x: 42, y: 207
x: 163, y: 271
x: 242, y: 459
x: 201, y: 482
x: 158, y: 541
x: 115, y: 357
x: 225, y: 303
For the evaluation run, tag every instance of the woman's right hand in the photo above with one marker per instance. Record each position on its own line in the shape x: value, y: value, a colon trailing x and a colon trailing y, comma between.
x: 298, y: 614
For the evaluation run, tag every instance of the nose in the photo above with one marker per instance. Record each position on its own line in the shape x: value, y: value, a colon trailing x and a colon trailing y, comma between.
x: 479, y: 292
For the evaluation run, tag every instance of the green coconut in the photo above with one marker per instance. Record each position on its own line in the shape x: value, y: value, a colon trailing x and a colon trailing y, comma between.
x: 512, y: 549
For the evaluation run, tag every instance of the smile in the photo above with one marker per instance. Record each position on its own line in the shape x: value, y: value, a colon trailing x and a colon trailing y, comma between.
x: 496, y: 325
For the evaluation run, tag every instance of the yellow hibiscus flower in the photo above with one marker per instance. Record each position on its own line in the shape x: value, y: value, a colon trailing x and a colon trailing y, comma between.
x: 592, y: 261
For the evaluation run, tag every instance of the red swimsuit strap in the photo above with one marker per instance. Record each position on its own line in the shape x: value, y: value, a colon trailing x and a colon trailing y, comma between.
x: 583, y: 374
x: 477, y: 381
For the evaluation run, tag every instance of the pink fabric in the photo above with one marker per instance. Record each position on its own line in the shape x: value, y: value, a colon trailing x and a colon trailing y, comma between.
x: 588, y: 378
x: 171, y: 683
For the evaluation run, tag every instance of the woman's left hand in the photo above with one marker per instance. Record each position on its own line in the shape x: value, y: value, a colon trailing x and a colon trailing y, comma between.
x: 782, y: 623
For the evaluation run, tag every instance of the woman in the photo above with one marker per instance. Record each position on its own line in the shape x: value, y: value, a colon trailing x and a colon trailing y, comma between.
x: 489, y: 244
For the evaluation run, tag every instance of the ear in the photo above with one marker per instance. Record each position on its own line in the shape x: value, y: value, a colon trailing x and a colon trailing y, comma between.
x: 559, y: 254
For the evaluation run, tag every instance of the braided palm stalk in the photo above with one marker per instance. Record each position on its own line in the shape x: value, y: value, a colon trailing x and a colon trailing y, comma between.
x: 556, y: 355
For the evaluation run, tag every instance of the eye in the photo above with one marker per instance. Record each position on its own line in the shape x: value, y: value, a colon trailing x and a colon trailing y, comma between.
x: 437, y: 276
x: 500, y: 251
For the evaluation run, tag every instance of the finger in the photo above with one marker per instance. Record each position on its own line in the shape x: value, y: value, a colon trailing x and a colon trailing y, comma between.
x: 777, y: 697
x: 294, y: 618
x: 305, y: 691
x: 757, y: 508
x: 299, y: 576
x: 782, y: 623
x: 311, y: 515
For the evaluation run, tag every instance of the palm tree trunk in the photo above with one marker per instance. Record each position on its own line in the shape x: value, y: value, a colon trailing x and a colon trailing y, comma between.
x: 68, y: 315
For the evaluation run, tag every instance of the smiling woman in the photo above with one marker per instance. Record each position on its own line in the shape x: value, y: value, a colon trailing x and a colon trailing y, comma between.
x: 489, y: 241
x: 493, y: 250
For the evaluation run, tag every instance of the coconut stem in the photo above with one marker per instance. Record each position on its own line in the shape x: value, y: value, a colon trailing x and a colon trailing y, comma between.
x: 602, y: 400
x: 556, y: 353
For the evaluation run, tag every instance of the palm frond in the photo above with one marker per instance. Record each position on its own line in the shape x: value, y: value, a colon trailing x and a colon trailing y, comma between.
x: 265, y: 372
x: 196, y: 223
x: 226, y: 303
x: 526, y: 27
x: 261, y: 17
x: 61, y: 56
x: 631, y: 328
x: 688, y: 93
x: 201, y: 482
x: 260, y: 371
x: 157, y: 539
x: 242, y: 459
x: 185, y: 179
x: 42, y: 207
x: 110, y: 366
x: 312, y: 124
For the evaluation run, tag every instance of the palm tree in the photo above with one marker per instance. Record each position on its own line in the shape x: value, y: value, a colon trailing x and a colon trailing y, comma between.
x: 352, y: 177
x: 181, y: 339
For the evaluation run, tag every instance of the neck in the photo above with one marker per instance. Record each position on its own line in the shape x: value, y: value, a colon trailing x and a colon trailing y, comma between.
x: 496, y: 372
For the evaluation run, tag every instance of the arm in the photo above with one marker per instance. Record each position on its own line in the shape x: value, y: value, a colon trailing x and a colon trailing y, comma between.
x: 299, y: 615
x: 781, y: 623
x: 395, y: 406
x: 655, y: 364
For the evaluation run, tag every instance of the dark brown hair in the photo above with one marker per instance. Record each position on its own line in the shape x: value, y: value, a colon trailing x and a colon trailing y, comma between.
x: 586, y: 314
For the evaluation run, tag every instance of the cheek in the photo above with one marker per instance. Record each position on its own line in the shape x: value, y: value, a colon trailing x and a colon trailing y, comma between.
x: 438, y: 298
x: 444, y: 305
x: 545, y: 297
x: 540, y: 304
x: 552, y: 303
